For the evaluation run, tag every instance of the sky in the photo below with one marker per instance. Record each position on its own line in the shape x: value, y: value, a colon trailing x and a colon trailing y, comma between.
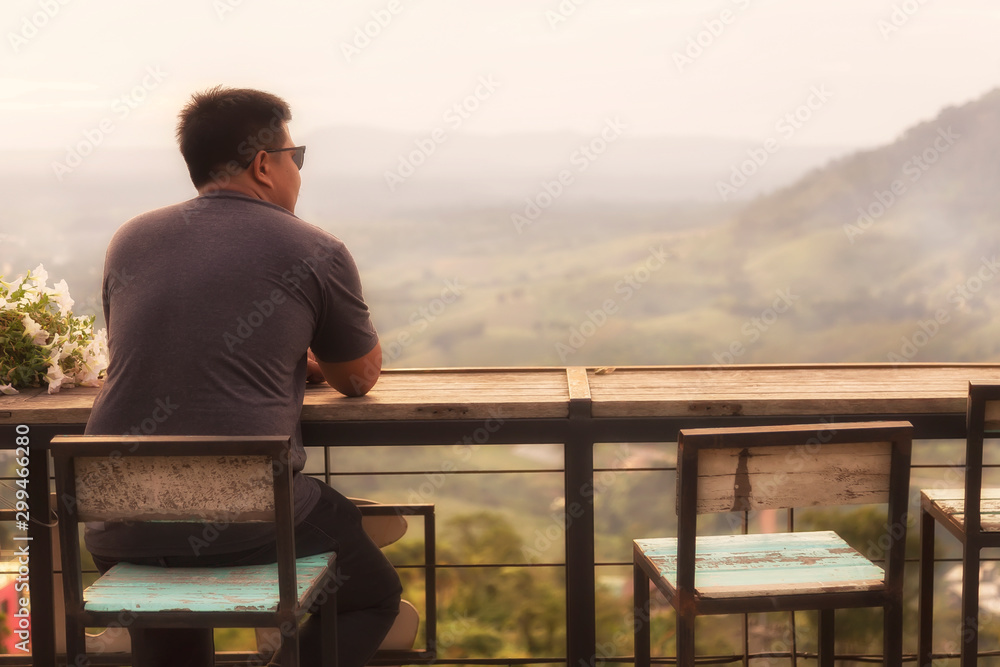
x: 853, y: 72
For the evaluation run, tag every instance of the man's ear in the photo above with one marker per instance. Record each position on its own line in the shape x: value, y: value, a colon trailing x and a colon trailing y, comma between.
x: 260, y: 169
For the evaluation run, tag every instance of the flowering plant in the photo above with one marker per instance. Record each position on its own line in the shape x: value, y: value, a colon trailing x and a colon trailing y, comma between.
x: 41, y: 340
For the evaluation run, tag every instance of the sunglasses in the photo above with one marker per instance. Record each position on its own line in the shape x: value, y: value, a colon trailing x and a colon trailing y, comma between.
x: 298, y: 156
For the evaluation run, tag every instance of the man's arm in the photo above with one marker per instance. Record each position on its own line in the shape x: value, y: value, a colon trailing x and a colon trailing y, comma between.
x: 354, y: 378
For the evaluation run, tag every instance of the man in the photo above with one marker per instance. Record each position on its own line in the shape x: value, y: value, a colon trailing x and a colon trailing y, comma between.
x: 217, y: 308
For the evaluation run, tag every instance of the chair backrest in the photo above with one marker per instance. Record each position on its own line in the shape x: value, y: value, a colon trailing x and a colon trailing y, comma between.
x: 747, y: 469
x: 175, y: 478
x: 982, y: 421
x: 181, y: 488
x: 770, y: 467
x: 240, y: 479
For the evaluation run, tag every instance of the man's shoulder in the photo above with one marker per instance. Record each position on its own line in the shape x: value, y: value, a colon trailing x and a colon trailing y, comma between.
x: 224, y: 211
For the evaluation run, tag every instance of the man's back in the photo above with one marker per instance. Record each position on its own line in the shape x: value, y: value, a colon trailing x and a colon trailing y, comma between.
x: 209, y: 305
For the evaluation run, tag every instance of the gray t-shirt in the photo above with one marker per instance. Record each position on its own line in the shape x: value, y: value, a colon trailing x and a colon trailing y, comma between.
x: 210, y: 306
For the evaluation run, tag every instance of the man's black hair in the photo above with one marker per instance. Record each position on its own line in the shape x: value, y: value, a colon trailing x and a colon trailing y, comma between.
x: 222, y: 129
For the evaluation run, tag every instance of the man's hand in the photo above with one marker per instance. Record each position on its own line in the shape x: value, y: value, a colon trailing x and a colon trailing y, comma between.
x: 314, y: 374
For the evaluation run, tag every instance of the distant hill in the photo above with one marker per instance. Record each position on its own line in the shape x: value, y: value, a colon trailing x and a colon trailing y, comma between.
x: 883, y: 243
x: 946, y: 166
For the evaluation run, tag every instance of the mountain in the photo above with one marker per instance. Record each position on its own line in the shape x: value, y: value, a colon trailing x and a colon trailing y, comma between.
x: 945, y: 166
x: 885, y: 245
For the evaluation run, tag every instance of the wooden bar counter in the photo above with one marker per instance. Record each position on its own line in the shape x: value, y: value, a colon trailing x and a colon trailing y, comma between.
x: 575, y: 407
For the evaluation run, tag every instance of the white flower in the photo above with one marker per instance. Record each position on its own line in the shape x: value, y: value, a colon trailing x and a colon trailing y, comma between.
x: 56, y: 378
x: 97, y: 349
x: 60, y: 296
x: 89, y: 374
x: 88, y: 378
x: 40, y: 276
x: 61, y: 349
x: 78, y: 355
x: 8, y: 390
x: 34, y: 330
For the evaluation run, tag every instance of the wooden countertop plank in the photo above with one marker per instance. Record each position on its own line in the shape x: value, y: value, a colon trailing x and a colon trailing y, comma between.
x: 785, y: 390
x: 399, y: 395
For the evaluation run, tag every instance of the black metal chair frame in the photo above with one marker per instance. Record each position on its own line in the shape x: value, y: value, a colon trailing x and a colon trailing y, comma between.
x: 429, y: 653
x: 686, y: 600
x: 969, y: 533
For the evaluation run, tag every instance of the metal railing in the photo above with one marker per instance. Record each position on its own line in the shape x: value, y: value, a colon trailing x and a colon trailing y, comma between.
x: 620, y: 475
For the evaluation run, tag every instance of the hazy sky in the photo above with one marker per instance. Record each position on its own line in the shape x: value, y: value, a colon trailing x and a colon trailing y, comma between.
x: 119, y: 70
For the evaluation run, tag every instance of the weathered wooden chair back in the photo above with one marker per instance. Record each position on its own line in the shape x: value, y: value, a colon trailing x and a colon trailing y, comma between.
x: 183, y: 488
x: 740, y: 471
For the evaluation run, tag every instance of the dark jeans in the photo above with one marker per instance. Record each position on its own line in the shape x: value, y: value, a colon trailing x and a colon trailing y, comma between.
x: 367, y: 600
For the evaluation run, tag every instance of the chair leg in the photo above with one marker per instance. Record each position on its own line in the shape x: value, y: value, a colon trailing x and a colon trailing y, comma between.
x: 685, y: 639
x: 970, y: 604
x: 892, y: 634
x: 926, y: 598
x: 290, y: 648
x: 826, y: 645
x: 641, y: 616
x: 328, y: 626
x: 76, y: 643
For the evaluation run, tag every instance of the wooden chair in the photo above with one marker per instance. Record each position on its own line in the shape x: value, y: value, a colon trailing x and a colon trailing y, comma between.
x: 385, y: 524
x: 757, y: 468
x: 972, y: 515
x: 196, y: 479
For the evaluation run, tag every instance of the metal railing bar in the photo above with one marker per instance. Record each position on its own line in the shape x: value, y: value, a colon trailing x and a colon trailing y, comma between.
x: 397, y: 473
